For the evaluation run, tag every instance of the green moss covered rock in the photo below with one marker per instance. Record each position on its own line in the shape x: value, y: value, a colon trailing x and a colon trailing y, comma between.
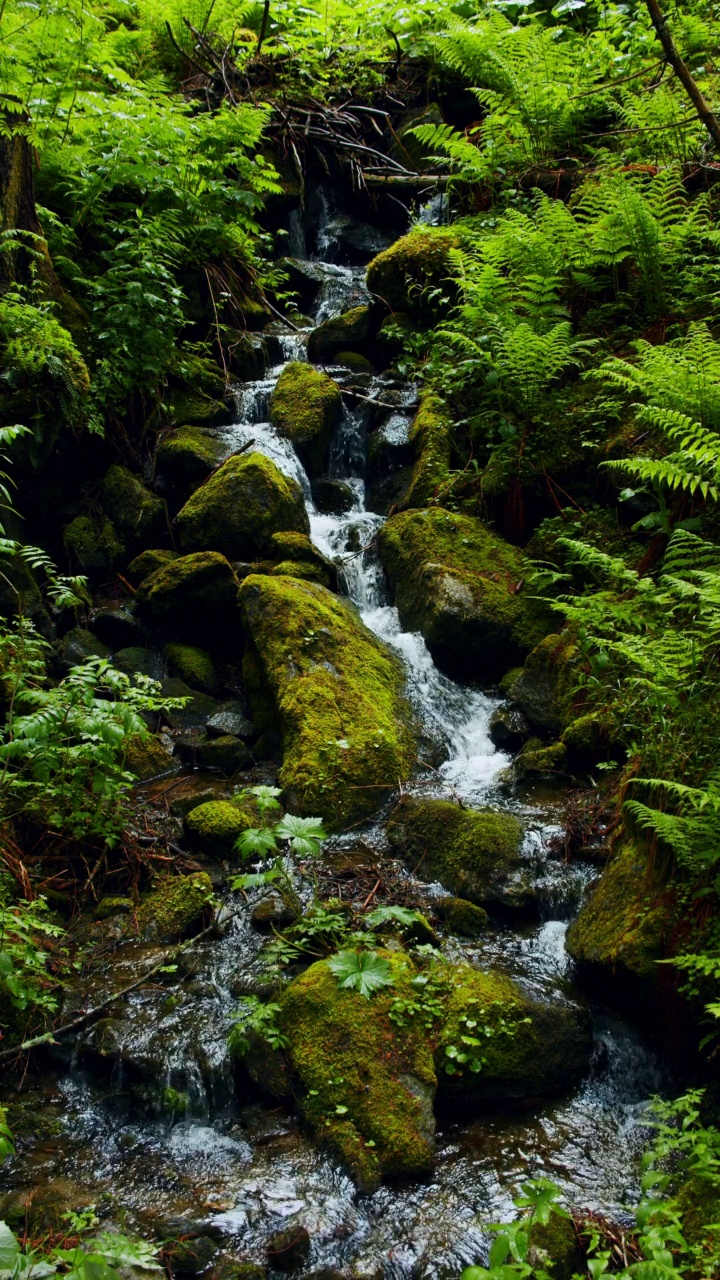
x: 195, y: 408
x: 216, y: 825
x: 349, y: 1055
x: 353, y: 361
x: 77, y: 645
x: 147, y: 562
x: 176, y: 907
x: 430, y: 437
x: 407, y: 275
x: 540, y: 760
x: 460, y: 585
x: 591, y: 737
x: 624, y: 926
x: 191, y: 664
x: 241, y: 506
x: 93, y: 545
x: 316, y: 673
x: 462, y: 917
x: 544, y: 688
x: 471, y: 853
x: 138, y: 514
x: 193, y: 596
x: 533, y: 1048
x: 305, y: 406
x: 351, y: 331
x: 555, y: 1247
x: 225, y: 753
x: 135, y: 660
x: 187, y: 456
x: 146, y: 757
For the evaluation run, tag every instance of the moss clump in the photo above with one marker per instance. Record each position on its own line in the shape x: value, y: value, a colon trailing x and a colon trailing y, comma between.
x: 305, y: 406
x: 462, y: 917
x: 146, y: 757
x: 227, y: 753
x: 627, y: 919
x: 296, y: 548
x: 134, y: 660
x: 544, y: 687
x: 138, y: 515
x: 77, y: 645
x: 589, y: 738
x: 301, y: 569
x: 469, y: 852
x: 176, y: 907
x: 193, y: 665
x: 187, y: 456
x: 353, y: 361
x: 216, y: 825
x: 460, y: 585
x: 536, y: 760
x: 408, y: 274
x: 241, y: 506
x: 94, y: 545
x: 147, y: 562
x: 351, y: 331
x: 348, y: 1054
x: 555, y: 1247
x: 533, y: 1049
x: 195, y: 408
x: 193, y: 596
x: 314, y: 670
x: 430, y: 436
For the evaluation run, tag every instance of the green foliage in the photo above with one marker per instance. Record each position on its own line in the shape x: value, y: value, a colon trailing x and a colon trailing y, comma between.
x: 24, y: 977
x: 256, y: 1020
x: 362, y: 971
x: 7, y: 1146
x: 256, y: 842
x: 103, y: 1257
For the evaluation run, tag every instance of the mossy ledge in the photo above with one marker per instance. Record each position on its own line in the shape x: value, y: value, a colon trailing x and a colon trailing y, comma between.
x: 334, y: 691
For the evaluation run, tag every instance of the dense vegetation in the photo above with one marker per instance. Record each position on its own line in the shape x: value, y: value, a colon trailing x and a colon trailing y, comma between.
x: 563, y: 327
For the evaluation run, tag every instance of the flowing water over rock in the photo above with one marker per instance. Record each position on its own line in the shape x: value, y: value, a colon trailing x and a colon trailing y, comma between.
x: 243, y: 1172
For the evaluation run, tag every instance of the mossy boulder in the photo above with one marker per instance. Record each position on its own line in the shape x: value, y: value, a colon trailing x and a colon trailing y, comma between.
x: 196, y: 710
x: 305, y: 406
x: 540, y: 760
x: 624, y: 927
x: 591, y: 737
x: 462, y: 917
x: 296, y: 548
x: 555, y: 1247
x: 195, y: 408
x: 225, y: 753
x: 191, y: 664
x: 146, y: 757
x: 147, y: 562
x: 216, y: 825
x: 77, y: 645
x: 473, y: 853
x: 241, y: 506
x: 138, y: 514
x: 301, y: 569
x: 351, y: 331
x: 430, y: 438
x: 373, y: 1081
x: 544, y: 688
x: 193, y: 596
x: 92, y: 544
x: 176, y: 907
x: 528, y: 1048
x: 332, y: 497
x: 136, y: 660
x: 415, y: 273
x: 460, y: 585
x: 353, y: 361
x: 318, y: 675
x: 187, y: 457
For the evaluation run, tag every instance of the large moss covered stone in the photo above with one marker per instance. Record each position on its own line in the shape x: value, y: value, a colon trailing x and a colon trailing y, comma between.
x: 147, y: 562
x: 186, y: 457
x: 314, y: 671
x: 176, y: 907
x: 415, y: 272
x: 460, y: 585
x: 543, y: 688
x: 348, y: 1054
x: 472, y: 853
x: 93, y: 545
x: 193, y: 596
x: 351, y: 331
x: 215, y: 826
x: 241, y: 506
x: 137, y: 514
x: 430, y: 438
x: 305, y: 406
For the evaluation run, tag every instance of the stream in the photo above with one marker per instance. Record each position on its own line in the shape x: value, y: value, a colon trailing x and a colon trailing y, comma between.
x: 242, y: 1171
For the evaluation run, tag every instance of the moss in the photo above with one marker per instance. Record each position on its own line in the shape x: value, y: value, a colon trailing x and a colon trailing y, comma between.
x: 146, y: 757
x: 226, y: 753
x: 313, y: 669
x: 589, y: 738
x: 460, y: 585
x: 195, y: 595
x: 698, y: 1201
x: 216, y: 825
x: 138, y: 515
x: 147, y: 562
x: 176, y: 907
x: 462, y: 917
x: 469, y: 852
x: 296, y: 548
x: 187, y: 456
x: 407, y: 275
x: 77, y: 645
x: 348, y: 1054
x: 351, y: 331
x: 545, y: 687
x: 196, y: 409
x: 305, y: 406
x: 430, y: 437
x: 533, y: 1049
x: 624, y: 924
x: 301, y: 569
x: 93, y: 545
x: 108, y: 907
x: 193, y: 665
x: 353, y: 361
x: 555, y: 1247
x: 332, y: 497
x: 241, y: 506
x: 536, y: 760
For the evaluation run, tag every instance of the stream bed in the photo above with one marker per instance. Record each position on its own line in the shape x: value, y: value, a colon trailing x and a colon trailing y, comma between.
x: 241, y: 1171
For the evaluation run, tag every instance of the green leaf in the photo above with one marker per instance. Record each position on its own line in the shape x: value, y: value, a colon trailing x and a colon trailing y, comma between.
x: 362, y: 971
x: 256, y: 842
x: 9, y: 1248
x: 305, y: 835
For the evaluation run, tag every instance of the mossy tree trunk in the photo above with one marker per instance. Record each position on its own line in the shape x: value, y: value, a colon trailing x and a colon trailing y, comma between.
x: 22, y: 244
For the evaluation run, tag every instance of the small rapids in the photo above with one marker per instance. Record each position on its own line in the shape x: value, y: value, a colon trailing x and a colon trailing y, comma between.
x: 243, y: 1172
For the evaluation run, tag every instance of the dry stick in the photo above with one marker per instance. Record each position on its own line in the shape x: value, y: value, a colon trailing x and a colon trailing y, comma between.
x: 682, y: 72
x: 91, y: 1014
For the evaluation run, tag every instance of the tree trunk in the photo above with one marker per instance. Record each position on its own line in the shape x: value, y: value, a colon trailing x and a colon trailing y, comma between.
x: 24, y: 256
x: 680, y: 68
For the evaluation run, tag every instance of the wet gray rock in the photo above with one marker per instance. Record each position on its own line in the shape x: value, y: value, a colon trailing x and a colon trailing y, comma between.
x: 303, y: 278
x: 332, y: 497
x: 197, y: 710
x: 289, y: 1250
x: 191, y: 1257
x: 136, y: 660
x: 272, y: 912
x: 77, y: 645
x: 230, y: 718
x: 508, y: 728
x: 117, y: 626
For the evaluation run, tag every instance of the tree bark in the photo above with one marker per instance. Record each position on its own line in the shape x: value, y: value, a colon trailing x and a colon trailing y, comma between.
x: 17, y: 201
x: 702, y: 107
